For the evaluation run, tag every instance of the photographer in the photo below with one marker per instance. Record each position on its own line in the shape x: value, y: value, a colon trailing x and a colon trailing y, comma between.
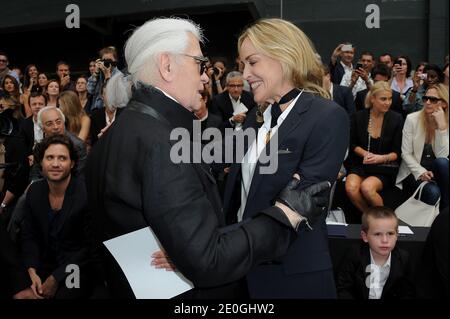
x: 105, y: 68
x: 216, y: 74
x: 63, y: 72
x: 359, y: 79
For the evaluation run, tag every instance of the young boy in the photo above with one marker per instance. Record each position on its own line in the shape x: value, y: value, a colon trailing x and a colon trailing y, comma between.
x: 376, y: 269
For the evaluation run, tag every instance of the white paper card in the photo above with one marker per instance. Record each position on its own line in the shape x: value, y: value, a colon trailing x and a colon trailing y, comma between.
x: 241, y: 108
x: 133, y: 253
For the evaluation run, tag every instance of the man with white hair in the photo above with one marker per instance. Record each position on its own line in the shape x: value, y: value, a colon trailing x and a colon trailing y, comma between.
x: 52, y: 121
x: 134, y: 183
x: 233, y: 104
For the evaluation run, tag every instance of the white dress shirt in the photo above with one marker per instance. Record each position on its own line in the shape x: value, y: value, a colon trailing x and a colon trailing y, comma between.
x: 254, y: 151
x: 378, y: 277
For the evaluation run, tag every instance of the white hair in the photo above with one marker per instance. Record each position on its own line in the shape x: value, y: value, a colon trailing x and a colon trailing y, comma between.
x: 48, y: 108
x: 142, y: 51
x: 233, y: 74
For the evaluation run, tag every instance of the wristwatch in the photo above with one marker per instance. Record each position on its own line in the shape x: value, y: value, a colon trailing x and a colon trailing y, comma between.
x: 2, y: 205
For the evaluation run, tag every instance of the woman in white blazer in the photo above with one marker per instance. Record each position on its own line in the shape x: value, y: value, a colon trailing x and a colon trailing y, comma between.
x: 425, y: 148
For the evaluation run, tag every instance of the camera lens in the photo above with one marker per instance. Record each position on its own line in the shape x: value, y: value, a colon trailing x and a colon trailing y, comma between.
x: 216, y: 71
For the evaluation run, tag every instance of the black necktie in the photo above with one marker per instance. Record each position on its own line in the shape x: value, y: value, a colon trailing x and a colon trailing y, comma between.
x: 276, y: 110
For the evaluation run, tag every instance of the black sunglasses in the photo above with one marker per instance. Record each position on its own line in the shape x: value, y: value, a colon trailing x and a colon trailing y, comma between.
x: 201, y: 60
x: 432, y: 99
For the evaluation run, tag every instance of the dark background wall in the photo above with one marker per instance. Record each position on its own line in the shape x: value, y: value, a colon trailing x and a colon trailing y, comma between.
x: 34, y: 31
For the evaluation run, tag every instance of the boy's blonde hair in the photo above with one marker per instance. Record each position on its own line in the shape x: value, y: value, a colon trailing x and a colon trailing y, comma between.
x: 377, y: 212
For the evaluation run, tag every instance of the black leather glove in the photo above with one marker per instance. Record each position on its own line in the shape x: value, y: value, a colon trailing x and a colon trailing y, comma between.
x: 308, y: 202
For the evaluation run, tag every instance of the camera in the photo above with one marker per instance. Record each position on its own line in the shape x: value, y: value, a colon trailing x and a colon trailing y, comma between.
x: 108, y: 62
x: 359, y: 66
x: 399, y: 62
x: 347, y: 47
x: 423, y: 76
x: 216, y: 71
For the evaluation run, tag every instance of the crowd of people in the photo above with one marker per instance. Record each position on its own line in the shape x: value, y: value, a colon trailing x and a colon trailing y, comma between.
x: 87, y: 159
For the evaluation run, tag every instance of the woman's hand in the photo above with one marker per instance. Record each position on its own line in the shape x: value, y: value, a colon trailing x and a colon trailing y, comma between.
x: 427, y: 176
x: 160, y: 259
x: 371, y: 158
x: 439, y: 118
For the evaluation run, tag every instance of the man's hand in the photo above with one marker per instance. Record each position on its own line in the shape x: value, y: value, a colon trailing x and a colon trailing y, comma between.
x: 306, y: 202
x: 49, y: 287
x: 65, y: 80
x: 336, y: 53
x: 239, y: 118
x: 36, y: 284
x: 160, y: 259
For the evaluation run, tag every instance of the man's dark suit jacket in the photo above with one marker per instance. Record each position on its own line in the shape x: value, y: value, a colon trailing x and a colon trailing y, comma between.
x: 143, y: 186
x: 395, y: 106
x: 72, y: 229
x: 312, y: 141
x: 336, y: 71
x: 221, y: 105
x: 27, y: 132
x: 98, y: 122
x: 343, y: 96
x: 351, y: 277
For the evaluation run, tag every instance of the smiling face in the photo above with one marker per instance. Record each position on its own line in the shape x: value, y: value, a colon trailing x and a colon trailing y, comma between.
x: 381, y: 101
x: 264, y: 74
x: 381, y: 235
x: 56, y: 164
x: 33, y: 72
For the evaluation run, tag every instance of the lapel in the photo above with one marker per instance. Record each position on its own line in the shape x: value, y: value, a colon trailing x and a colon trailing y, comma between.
x: 336, y: 96
x: 365, y: 261
x: 228, y: 107
x: 419, y: 139
x: 292, y: 121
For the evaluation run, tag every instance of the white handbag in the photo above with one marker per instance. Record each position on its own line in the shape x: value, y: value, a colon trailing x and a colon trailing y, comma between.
x: 414, y: 212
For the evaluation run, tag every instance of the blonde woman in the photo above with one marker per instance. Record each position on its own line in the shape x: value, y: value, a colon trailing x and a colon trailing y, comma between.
x: 311, y: 137
x: 77, y: 121
x: 425, y: 148
x: 375, y: 140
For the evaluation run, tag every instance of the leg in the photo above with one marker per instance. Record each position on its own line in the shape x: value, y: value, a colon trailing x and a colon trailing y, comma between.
x: 370, y: 188
x: 352, y: 187
x: 440, y: 171
x: 430, y: 193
